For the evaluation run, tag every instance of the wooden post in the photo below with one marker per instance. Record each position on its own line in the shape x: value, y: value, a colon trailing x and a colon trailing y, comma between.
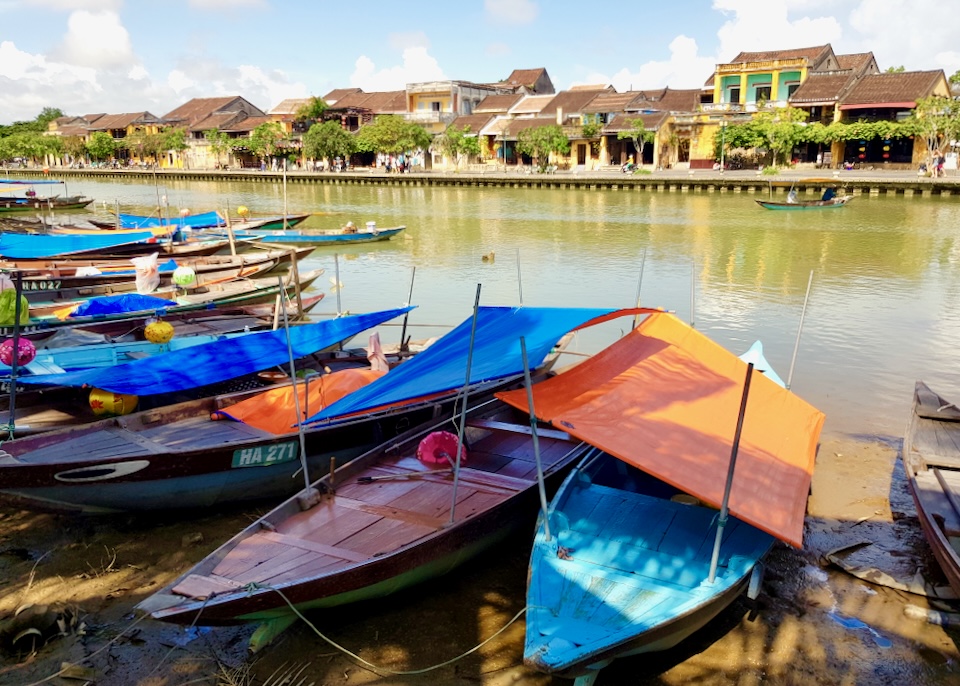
x: 14, y: 362
x: 230, y: 236
x: 295, y: 274
x: 296, y: 396
x: 463, y: 414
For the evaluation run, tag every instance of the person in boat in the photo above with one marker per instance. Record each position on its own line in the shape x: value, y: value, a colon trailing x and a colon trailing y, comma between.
x: 792, y: 196
x: 350, y: 227
x: 828, y: 195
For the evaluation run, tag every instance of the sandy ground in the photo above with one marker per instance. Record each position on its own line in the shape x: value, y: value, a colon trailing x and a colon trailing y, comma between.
x: 813, y: 623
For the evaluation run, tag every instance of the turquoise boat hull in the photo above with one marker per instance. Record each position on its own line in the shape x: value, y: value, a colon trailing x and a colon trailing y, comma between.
x: 319, y: 239
x: 626, y: 569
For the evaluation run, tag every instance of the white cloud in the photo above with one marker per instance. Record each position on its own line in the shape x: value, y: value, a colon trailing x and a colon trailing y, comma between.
x: 758, y: 25
x: 179, y: 81
x: 95, y: 39
x: 219, y: 5
x: 71, y: 5
x: 511, y: 11
x: 685, y: 69
x: 417, y: 66
x: 918, y: 34
x: 409, y: 39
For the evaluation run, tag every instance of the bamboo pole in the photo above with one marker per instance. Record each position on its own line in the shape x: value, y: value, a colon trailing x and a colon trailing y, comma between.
x: 285, y: 226
x: 404, y: 344
x: 14, y: 362
x: 519, y: 278
x: 463, y: 413
x: 796, y: 345
x: 693, y: 294
x: 296, y: 396
x: 295, y: 275
x: 643, y: 261
x: 536, y: 439
x: 722, y: 520
x: 231, y: 237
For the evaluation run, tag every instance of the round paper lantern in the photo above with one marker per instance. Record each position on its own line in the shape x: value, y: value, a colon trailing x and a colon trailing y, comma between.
x: 184, y: 276
x: 158, y: 331
x: 440, y: 448
x: 185, y: 212
x: 110, y: 404
x: 31, y: 193
x: 243, y: 211
x: 27, y: 351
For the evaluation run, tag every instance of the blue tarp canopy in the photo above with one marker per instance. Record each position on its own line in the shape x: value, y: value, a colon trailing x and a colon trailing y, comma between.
x: 20, y: 246
x: 196, y: 221
x: 119, y: 304
x: 218, y: 361
x: 496, y: 354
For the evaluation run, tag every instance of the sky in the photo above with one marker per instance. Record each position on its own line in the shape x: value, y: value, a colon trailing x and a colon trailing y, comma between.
x: 119, y: 56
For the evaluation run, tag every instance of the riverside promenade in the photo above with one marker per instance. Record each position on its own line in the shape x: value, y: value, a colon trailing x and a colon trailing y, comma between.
x: 807, y: 181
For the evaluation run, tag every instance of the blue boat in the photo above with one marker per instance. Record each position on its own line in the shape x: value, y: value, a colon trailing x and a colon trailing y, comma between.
x: 15, y: 246
x: 204, y: 220
x: 625, y: 565
x: 320, y: 238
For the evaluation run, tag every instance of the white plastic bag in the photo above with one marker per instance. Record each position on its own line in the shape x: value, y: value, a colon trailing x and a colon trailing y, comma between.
x: 148, y: 273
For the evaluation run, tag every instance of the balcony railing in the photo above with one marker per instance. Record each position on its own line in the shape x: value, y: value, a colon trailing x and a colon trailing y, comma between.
x: 430, y: 117
x: 766, y: 65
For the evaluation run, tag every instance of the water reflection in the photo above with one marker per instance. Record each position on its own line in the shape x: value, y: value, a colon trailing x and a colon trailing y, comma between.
x: 884, y: 308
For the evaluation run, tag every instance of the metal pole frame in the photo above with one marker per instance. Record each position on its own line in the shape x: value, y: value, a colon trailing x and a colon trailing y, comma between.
x: 463, y: 413
x: 722, y: 520
x: 528, y: 384
x: 296, y: 397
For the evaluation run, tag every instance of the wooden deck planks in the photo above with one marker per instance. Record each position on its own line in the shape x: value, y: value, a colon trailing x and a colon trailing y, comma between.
x: 197, y: 586
x: 327, y: 522
x: 386, y: 536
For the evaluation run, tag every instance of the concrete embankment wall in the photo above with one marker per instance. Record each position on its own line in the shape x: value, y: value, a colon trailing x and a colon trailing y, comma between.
x: 691, y: 183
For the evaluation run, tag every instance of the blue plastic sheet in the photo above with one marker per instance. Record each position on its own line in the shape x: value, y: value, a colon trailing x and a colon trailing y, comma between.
x: 118, y: 304
x: 197, y: 221
x: 496, y: 354
x: 218, y: 361
x: 21, y: 246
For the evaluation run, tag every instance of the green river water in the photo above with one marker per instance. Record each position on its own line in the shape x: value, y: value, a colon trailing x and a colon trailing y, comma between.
x: 883, y: 309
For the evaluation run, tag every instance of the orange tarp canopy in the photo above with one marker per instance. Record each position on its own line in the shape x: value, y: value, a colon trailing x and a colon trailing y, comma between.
x: 665, y: 398
x: 275, y: 410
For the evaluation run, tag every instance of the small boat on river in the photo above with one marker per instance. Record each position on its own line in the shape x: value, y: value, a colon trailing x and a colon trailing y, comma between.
x: 321, y: 238
x: 829, y: 199
x: 931, y: 459
x: 625, y: 566
x: 206, y: 220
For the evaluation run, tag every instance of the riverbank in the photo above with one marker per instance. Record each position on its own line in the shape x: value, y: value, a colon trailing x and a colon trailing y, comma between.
x: 812, y: 624
x: 807, y: 182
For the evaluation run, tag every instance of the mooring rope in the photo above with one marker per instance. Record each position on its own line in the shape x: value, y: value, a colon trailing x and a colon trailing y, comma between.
x: 377, y: 668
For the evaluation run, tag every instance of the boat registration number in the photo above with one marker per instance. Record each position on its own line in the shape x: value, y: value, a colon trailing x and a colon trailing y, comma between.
x: 35, y: 285
x: 264, y: 455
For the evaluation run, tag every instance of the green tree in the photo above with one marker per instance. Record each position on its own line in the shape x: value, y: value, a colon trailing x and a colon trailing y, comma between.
x: 75, y: 147
x: 327, y: 141
x: 781, y: 129
x: 937, y: 120
x: 265, y: 140
x: 311, y: 111
x: 955, y: 77
x: 101, y: 146
x: 457, y: 143
x: 172, y: 140
x: 639, y: 135
x: 540, y: 142
x: 392, y: 134
x: 219, y: 142
x: 47, y: 115
x: 138, y: 143
x: 895, y: 70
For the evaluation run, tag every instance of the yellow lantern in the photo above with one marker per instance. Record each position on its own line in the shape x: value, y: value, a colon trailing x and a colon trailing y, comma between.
x: 243, y: 211
x: 110, y: 404
x: 158, y: 331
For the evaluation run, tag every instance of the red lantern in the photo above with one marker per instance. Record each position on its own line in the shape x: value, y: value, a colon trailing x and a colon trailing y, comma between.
x: 862, y: 156
x: 440, y: 448
x: 27, y: 351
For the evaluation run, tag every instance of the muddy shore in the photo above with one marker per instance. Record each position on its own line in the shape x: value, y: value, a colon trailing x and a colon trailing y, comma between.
x: 813, y: 623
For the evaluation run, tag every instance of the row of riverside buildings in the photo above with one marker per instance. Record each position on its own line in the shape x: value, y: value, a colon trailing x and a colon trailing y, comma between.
x: 685, y: 123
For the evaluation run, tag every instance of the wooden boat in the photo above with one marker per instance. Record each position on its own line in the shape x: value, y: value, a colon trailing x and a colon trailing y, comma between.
x: 206, y: 220
x: 321, y: 238
x: 73, y: 202
x: 626, y: 565
x: 382, y: 524
x: 838, y: 201
x: 931, y: 459
x: 228, y: 291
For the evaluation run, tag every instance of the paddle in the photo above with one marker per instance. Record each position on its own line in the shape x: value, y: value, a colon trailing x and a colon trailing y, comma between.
x: 411, y: 475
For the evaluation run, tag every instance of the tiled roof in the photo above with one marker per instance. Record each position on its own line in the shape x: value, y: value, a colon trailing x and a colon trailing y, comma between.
x: 333, y: 97
x: 571, y: 101
x: 592, y: 87
x: 220, y: 121
x: 855, y: 61
x: 813, y: 54
x: 624, y: 122
x: 903, y: 88
x: 498, y: 103
x: 823, y: 88
x: 524, y: 77
x: 383, y: 102
x: 290, y: 106
x: 666, y: 100
x: 610, y: 101
x: 532, y: 104
x: 518, y: 125
x: 90, y: 118
x: 73, y: 130
x: 476, y: 122
x: 122, y: 121
x: 198, y: 108
x: 248, y: 124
